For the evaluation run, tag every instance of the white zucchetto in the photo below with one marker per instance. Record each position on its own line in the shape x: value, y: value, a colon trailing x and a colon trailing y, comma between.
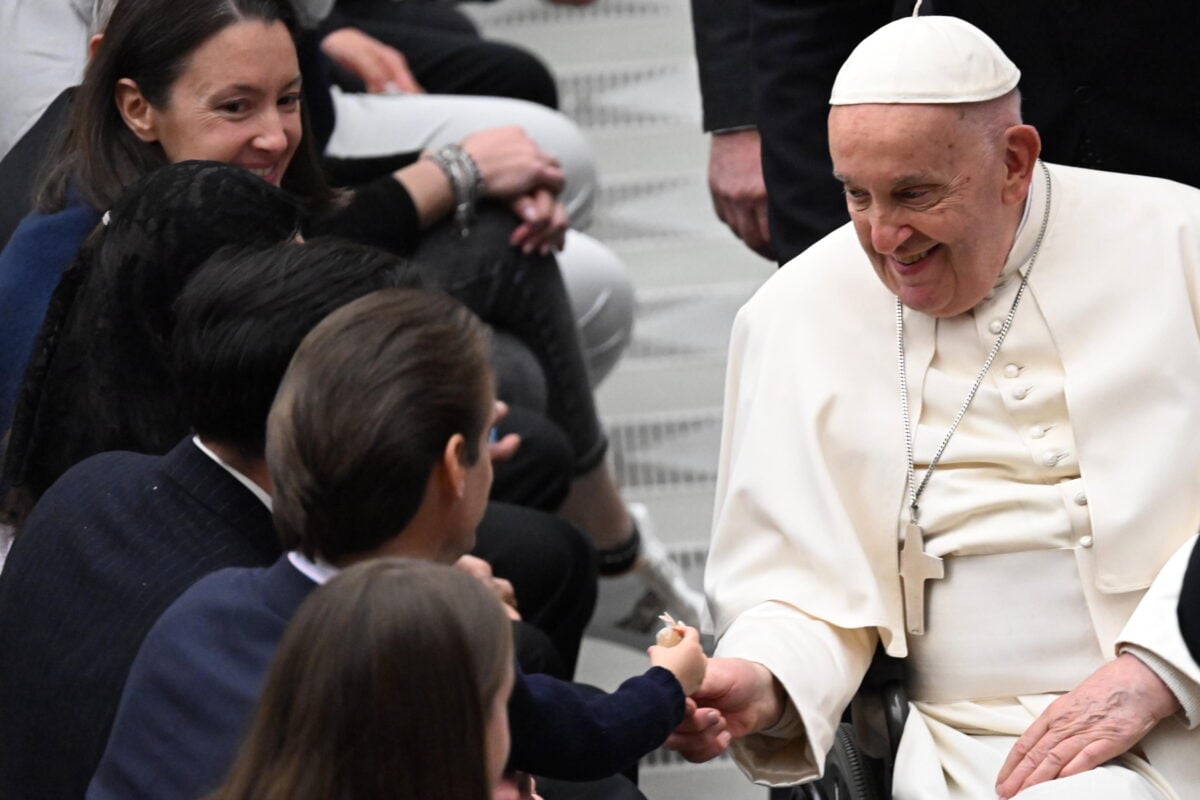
x: 925, y: 60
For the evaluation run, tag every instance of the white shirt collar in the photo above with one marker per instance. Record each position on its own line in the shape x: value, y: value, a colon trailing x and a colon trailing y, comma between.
x: 242, y: 479
x: 318, y: 571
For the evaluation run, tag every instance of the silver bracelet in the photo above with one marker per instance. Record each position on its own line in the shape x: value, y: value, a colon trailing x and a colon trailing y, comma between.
x: 466, y: 181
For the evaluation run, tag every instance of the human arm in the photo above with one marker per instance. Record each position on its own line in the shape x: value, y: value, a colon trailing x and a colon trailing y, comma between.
x: 775, y: 694
x: 1113, y: 709
x: 573, y: 732
x: 797, y: 49
x: 722, y: 36
x: 381, y: 67
x: 513, y: 170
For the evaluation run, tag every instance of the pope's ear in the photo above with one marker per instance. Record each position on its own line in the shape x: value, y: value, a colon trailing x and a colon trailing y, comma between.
x: 94, y: 44
x: 1022, y: 145
x: 136, y: 110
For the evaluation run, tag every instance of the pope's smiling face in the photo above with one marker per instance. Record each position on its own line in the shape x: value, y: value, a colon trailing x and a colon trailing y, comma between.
x: 935, y: 195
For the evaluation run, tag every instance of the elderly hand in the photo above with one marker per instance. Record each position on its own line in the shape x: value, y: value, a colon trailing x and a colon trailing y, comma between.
x: 512, y: 164
x: 737, y: 698
x: 381, y: 68
x: 1097, y: 721
x: 543, y: 222
x: 739, y: 193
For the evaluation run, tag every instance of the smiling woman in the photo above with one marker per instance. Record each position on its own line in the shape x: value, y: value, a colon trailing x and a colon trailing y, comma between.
x: 238, y: 102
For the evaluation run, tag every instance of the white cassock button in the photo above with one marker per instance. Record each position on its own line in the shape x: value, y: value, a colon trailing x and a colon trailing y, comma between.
x: 1037, y: 431
x: 1022, y: 393
x: 1081, y: 499
x: 995, y: 325
x: 1051, y: 457
x: 1085, y: 541
x: 1011, y: 371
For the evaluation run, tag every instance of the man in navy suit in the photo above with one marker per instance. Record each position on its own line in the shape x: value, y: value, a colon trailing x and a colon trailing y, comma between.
x: 374, y: 447
x: 120, y: 536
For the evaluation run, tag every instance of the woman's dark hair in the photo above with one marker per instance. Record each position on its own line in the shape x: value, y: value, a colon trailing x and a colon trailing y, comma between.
x: 372, y: 397
x: 151, y: 43
x: 99, y: 377
x: 382, y: 686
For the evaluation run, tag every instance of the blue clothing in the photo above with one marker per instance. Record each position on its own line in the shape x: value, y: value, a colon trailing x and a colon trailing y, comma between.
x: 193, y: 688
x: 41, y: 249
x: 106, y: 550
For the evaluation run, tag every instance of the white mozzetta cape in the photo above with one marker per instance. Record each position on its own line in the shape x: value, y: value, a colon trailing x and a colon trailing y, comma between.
x: 803, y: 570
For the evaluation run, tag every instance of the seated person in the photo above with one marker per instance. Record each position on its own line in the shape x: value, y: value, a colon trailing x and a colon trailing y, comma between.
x: 395, y: 673
x: 127, y: 533
x: 101, y: 378
x: 374, y: 137
x: 375, y: 447
x: 1014, y: 521
x: 160, y: 62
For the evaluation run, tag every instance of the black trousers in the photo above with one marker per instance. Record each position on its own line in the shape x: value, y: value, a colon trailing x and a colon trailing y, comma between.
x: 552, y: 568
x: 446, y: 53
x: 523, y: 295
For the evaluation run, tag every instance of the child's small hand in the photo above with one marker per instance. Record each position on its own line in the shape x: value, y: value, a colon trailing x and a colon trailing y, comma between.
x: 685, y: 660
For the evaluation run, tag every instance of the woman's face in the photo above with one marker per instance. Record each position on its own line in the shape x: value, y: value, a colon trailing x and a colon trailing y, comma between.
x: 237, y: 101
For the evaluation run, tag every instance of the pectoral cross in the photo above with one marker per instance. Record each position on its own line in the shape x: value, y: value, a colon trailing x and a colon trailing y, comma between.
x: 916, y: 567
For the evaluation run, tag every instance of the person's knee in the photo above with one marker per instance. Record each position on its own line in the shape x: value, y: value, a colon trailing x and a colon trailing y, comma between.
x: 602, y: 299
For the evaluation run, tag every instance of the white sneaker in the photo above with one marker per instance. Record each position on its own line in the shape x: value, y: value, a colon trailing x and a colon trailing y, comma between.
x: 662, y: 575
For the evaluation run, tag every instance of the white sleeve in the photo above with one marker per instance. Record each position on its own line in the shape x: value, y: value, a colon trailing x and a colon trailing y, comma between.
x: 820, y: 667
x: 1154, y: 629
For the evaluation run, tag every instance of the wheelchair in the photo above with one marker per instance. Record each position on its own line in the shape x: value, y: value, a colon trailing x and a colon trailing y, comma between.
x: 860, y: 764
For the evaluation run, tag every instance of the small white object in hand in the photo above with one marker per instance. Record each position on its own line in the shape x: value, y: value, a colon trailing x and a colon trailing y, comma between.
x: 671, y: 634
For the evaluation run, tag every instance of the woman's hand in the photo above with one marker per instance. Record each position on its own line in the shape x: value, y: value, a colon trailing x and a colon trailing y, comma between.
x: 511, y: 164
x: 543, y: 222
x: 685, y: 660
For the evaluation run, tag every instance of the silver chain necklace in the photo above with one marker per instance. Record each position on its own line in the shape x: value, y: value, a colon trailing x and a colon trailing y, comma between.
x: 914, y: 490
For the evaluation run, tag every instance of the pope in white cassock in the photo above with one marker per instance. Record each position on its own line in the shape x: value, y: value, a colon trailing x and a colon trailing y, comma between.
x: 1025, y: 559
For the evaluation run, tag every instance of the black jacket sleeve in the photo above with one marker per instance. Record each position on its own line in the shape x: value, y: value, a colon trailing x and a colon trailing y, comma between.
x: 722, y: 32
x: 379, y: 213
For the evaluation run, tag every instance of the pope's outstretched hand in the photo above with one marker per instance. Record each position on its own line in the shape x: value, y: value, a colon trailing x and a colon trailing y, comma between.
x: 737, y: 698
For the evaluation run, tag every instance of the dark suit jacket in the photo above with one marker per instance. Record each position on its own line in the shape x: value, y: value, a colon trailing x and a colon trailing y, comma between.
x: 110, y: 545
x: 1109, y: 84
x: 1189, y: 605
x: 193, y: 687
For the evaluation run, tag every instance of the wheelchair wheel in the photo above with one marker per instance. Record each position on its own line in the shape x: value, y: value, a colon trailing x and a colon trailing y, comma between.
x: 849, y: 774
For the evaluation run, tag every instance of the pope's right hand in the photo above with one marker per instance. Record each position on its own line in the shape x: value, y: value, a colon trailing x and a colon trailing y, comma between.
x: 737, y: 698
